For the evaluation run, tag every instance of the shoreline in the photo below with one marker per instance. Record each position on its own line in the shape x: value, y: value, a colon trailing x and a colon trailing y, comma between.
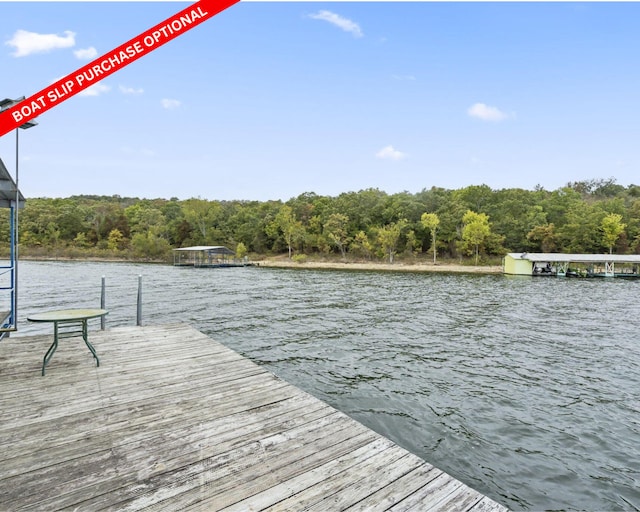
x: 315, y: 265
x: 395, y: 267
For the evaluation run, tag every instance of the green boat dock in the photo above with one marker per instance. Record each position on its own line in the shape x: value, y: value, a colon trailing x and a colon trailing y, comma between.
x: 572, y: 265
x: 173, y: 420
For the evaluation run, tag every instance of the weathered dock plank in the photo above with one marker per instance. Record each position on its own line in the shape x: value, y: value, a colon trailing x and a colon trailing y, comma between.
x: 172, y: 420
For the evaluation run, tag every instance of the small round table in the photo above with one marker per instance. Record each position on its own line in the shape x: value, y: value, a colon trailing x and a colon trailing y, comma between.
x: 68, y: 323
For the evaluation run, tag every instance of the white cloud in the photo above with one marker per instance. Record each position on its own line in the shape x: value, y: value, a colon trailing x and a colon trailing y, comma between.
x: 86, y: 53
x: 335, y: 19
x: 486, y: 112
x: 130, y: 90
x: 143, y: 152
x: 170, y: 104
x: 404, y: 78
x: 390, y: 153
x: 26, y: 43
x: 95, y: 90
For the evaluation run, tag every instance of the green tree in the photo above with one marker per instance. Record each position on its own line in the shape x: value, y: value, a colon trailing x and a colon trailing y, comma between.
x: 431, y: 221
x: 412, y: 245
x: 286, y: 223
x: 241, y: 250
x: 201, y: 214
x: 450, y: 214
x: 81, y: 241
x: 535, y: 216
x: 365, y: 208
x: 36, y: 221
x: 71, y: 218
x: 475, y: 197
x: 632, y: 218
x: 53, y: 236
x: 104, y: 216
x: 335, y: 229
x: 150, y: 247
x: 543, y: 237
x: 388, y: 237
x: 402, y: 206
x: 581, y: 232
x: 558, y: 204
x: 475, y: 230
x: 143, y: 217
x: 575, y: 218
x: 361, y: 245
x: 514, y: 213
x: 612, y: 226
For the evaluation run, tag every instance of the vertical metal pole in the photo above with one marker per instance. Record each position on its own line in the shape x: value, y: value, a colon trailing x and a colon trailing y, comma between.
x: 12, y: 244
x: 102, y: 303
x: 139, y: 309
x: 17, y: 240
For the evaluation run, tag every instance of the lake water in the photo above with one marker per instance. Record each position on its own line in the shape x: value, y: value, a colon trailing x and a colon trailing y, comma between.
x: 527, y: 389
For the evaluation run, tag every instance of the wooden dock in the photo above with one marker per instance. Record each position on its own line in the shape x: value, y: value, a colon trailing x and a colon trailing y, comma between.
x: 172, y: 420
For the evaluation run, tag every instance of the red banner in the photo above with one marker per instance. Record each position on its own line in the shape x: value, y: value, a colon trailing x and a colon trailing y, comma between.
x: 110, y: 62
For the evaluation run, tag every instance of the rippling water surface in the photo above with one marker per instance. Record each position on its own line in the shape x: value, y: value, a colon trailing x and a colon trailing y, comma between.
x: 526, y: 389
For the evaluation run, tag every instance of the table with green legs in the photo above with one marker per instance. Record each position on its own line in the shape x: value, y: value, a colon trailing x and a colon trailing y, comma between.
x: 66, y: 324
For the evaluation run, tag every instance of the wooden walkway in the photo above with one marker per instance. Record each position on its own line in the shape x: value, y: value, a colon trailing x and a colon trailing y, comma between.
x: 173, y: 420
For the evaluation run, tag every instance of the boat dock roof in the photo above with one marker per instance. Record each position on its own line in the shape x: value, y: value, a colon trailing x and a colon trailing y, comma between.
x: 211, y: 249
x: 172, y: 420
x: 8, y: 191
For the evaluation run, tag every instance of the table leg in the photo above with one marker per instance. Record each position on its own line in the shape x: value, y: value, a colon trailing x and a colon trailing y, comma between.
x: 65, y: 334
x: 85, y: 337
x: 52, y: 348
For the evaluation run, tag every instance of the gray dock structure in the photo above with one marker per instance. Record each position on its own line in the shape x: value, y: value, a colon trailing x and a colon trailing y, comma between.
x: 172, y: 420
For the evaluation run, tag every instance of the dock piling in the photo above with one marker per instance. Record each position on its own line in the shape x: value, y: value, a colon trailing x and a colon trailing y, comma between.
x: 139, y: 305
x: 102, y: 303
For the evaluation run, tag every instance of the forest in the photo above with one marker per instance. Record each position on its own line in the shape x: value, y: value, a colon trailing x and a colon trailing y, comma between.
x: 475, y: 224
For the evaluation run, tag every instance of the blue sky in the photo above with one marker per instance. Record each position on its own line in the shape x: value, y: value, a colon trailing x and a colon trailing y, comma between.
x: 270, y: 100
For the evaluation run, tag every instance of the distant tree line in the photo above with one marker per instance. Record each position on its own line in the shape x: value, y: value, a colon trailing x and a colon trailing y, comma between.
x: 474, y: 224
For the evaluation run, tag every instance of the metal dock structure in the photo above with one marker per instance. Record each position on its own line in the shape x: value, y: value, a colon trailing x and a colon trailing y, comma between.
x: 172, y: 420
x: 208, y: 256
x: 572, y: 265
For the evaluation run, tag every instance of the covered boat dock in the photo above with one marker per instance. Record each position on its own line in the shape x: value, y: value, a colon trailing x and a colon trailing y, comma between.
x: 572, y: 265
x: 207, y: 256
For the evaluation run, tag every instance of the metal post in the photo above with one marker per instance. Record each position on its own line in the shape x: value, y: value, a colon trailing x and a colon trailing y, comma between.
x: 12, y: 222
x: 17, y: 241
x: 4, y: 104
x: 102, y: 303
x: 139, y: 308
